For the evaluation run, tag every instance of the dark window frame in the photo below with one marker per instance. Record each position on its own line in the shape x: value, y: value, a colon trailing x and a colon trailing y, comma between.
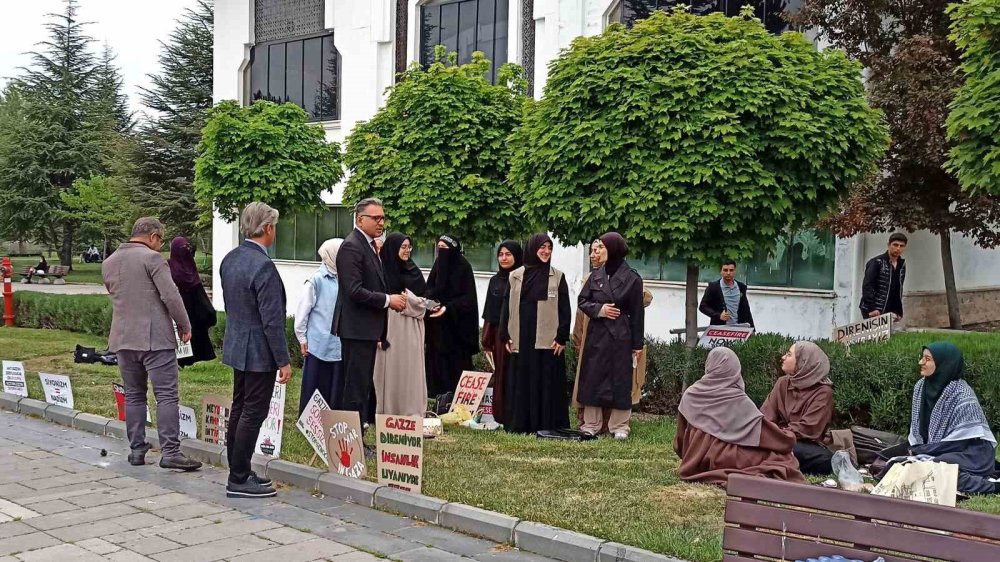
x: 320, y: 104
x: 425, y: 47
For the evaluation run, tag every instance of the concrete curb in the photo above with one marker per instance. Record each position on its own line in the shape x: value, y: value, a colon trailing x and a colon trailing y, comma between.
x: 536, y: 538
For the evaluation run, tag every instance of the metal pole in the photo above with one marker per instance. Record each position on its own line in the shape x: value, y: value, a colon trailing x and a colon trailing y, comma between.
x: 8, y: 293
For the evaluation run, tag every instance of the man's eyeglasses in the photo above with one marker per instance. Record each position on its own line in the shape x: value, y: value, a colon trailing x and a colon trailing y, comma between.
x: 376, y: 218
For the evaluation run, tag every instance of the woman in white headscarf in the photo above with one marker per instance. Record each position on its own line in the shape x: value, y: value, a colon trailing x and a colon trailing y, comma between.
x: 322, y: 369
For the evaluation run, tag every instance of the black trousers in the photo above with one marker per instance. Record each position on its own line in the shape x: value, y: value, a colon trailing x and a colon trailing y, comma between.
x: 251, y: 402
x: 359, y: 368
x: 813, y: 458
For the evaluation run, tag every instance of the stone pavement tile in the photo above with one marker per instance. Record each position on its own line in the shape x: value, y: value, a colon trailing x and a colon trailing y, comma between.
x: 367, y: 539
x: 285, y: 535
x: 25, y: 476
x: 426, y: 554
x: 503, y: 553
x: 115, y: 495
x: 128, y: 556
x: 35, y: 455
x: 122, y: 482
x: 8, y: 559
x: 52, y: 507
x: 296, y: 517
x: 15, y: 491
x: 312, y: 502
x: 355, y: 556
x: 315, y: 549
x: 216, y: 550
x: 63, y: 553
x: 189, y: 511
x: 173, y: 499
x: 151, y: 545
x: 15, y: 511
x: 13, y: 529
x: 446, y: 540
x: 98, y: 546
x: 226, y: 529
x: 106, y: 527
x: 24, y: 543
x: 368, y: 517
x: 63, y: 479
x: 67, y: 518
x: 64, y: 493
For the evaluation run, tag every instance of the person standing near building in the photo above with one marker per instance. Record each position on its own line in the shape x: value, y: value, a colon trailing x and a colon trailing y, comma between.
x: 322, y: 367
x: 453, y: 337
x: 725, y: 301
x: 882, y: 288
x: 254, y: 344
x: 145, y: 308
x: 510, y: 256
x: 201, y: 313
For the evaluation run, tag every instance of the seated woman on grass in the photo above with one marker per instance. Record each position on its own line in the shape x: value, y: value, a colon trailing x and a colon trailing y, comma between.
x: 947, y: 422
x: 802, y: 402
x: 721, y: 432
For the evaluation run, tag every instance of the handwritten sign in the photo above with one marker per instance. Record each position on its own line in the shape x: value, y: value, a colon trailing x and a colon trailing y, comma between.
x: 400, y: 448
x: 13, y: 378
x: 471, y: 387
x: 487, y: 407
x: 215, y: 418
x: 120, y: 402
x: 58, y: 389
x: 870, y: 329
x: 310, y: 423
x: 269, y: 438
x: 189, y: 425
x: 183, y: 349
x: 344, y: 445
x: 716, y: 336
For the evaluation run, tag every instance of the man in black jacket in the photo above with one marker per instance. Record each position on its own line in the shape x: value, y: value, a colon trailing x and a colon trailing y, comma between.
x: 882, y: 288
x: 725, y: 301
x: 360, y: 316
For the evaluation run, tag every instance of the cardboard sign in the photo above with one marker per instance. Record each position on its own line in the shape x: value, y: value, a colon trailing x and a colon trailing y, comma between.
x: 487, y: 407
x: 871, y: 329
x: 311, y: 424
x: 344, y: 445
x: 183, y: 349
x: 120, y: 402
x: 471, y: 387
x: 189, y: 426
x: 13, y: 378
x: 58, y: 389
x: 716, y: 336
x: 269, y: 438
x: 215, y: 418
x: 400, y: 448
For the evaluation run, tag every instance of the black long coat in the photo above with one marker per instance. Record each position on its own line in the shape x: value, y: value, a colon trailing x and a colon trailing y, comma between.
x: 606, y: 371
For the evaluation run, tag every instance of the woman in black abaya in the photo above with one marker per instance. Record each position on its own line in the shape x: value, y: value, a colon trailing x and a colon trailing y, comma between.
x: 453, y: 338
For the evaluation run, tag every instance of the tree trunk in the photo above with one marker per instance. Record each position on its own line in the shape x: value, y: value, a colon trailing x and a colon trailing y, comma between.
x: 66, y: 251
x: 950, y: 289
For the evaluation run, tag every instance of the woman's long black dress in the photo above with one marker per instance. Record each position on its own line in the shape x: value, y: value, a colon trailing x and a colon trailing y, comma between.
x: 202, y: 316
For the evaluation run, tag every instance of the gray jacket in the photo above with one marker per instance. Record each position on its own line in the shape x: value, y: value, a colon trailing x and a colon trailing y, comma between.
x: 255, y: 311
x: 144, y: 300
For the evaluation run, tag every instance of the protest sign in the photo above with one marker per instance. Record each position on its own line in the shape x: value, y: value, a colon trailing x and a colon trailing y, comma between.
x: 120, y: 402
x: 471, y: 387
x: 343, y: 443
x: 311, y: 424
x: 13, y: 379
x: 269, y: 438
x: 400, y: 448
x: 870, y: 329
x: 189, y: 427
x: 215, y: 418
x: 183, y: 349
x: 58, y: 389
x: 487, y: 407
x: 716, y: 336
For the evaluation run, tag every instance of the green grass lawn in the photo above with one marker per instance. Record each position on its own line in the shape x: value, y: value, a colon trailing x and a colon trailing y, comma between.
x: 621, y: 491
x: 82, y: 272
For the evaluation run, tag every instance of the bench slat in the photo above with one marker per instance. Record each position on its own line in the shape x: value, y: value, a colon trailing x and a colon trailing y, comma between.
x: 787, y: 548
x: 863, y: 533
x: 866, y: 506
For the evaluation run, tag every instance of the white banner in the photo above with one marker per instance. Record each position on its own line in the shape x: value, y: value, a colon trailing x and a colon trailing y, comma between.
x: 311, y: 424
x: 716, y: 336
x: 13, y: 379
x: 269, y: 438
x: 58, y: 389
x: 189, y: 426
x: 871, y: 329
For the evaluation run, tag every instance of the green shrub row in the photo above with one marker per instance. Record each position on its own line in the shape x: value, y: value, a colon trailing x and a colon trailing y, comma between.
x: 873, y: 384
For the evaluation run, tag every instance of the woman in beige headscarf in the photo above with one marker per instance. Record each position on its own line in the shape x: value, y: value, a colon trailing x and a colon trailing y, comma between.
x: 802, y: 402
x: 721, y: 432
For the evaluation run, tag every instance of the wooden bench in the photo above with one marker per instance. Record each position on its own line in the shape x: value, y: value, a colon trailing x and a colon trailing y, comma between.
x: 783, y: 521
x: 55, y: 274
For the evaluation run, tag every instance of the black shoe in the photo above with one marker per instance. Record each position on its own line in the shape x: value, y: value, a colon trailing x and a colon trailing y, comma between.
x: 179, y: 462
x: 249, y: 489
x: 260, y: 480
x: 138, y: 456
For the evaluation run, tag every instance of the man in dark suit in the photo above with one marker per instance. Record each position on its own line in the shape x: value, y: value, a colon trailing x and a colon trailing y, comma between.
x: 254, y: 344
x: 360, y: 317
x: 725, y: 301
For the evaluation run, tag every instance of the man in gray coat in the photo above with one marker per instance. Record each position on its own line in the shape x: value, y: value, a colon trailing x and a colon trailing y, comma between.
x: 254, y: 344
x: 146, y: 305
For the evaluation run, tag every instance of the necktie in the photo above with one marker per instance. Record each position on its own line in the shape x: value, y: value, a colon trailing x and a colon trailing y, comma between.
x: 375, y: 247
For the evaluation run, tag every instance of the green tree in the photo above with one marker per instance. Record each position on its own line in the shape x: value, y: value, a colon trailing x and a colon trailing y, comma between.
x: 437, y: 152
x: 100, y: 205
x: 265, y: 152
x: 108, y: 101
x: 23, y: 189
x: 696, y: 137
x: 974, y: 121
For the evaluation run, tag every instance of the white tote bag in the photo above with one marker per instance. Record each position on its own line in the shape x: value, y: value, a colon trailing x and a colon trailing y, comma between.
x: 922, y: 481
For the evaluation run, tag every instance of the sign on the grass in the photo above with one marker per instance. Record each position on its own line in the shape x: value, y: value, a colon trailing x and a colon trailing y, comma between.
x: 58, y: 390
x: 344, y: 445
x: 183, y: 349
x: 870, y: 329
x: 269, y: 438
x: 471, y: 387
x: 120, y: 402
x: 400, y: 449
x: 717, y: 336
x: 310, y: 423
x: 215, y: 418
x: 13, y: 378
x: 189, y: 425
x: 487, y: 407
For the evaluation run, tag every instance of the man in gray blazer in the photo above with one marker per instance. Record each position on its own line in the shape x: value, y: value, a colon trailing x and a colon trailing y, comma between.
x: 254, y: 344
x: 146, y: 305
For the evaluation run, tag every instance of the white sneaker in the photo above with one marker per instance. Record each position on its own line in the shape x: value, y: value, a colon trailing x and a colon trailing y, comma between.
x: 621, y: 436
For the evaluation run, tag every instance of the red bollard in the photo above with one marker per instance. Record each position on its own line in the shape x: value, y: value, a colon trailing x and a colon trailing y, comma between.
x: 8, y: 293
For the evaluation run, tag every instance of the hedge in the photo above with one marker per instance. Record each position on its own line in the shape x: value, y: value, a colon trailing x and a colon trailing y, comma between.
x: 873, y: 384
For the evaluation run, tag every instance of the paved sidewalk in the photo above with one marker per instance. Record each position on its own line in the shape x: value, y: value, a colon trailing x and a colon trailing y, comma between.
x: 67, y: 289
x: 61, y: 500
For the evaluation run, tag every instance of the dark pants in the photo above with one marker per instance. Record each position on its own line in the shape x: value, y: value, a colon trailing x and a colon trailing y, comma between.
x: 813, y: 458
x: 138, y: 368
x: 325, y: 376
x: 251, y: 402
x: 359, y: 368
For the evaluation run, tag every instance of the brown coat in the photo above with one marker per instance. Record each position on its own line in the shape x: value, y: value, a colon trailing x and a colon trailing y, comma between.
x: 806, y: 412
x: 144, y: 300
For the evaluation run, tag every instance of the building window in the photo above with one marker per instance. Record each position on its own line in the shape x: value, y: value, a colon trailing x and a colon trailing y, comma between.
x: 802, y: 261
x: 482, y: 259
x: 281, y: 19
x: 299, y: 236
x: 771, y: 12
x: 305, y: 72
x: 465, y: 26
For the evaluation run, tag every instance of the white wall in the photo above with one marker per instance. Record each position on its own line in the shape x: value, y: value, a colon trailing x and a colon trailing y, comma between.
x: 975, y: 268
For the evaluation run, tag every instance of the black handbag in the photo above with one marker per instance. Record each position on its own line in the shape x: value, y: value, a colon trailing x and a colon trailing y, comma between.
x: 565, y: 435
x: 869, y: 443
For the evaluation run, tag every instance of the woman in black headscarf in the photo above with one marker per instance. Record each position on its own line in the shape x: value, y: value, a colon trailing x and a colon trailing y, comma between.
x: 509, y: 258
x: 200, y: 311
x: 612, y: 299
x: 453, y: 337
x: 535, y: 324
